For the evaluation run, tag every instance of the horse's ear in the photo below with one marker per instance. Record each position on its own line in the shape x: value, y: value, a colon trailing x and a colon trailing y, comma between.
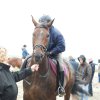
x: 33, y: 20
x: 50, y: 23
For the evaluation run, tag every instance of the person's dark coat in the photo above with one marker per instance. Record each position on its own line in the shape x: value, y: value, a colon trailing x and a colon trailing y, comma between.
x: 56, y: 43
x: 85, y: 72
x: 8, y: 87
x: 90, y: 84
x: 92, y: 66
x: 74, y: 64
x: 93, y: 69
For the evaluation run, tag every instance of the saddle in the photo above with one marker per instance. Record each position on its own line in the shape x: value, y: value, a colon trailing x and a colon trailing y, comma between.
x: 54, y: 65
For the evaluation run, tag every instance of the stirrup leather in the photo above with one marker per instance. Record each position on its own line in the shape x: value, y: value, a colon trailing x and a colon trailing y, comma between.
x: 61, y: 91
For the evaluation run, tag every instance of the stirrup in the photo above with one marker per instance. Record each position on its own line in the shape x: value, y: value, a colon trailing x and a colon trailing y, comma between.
x: 61, y: 91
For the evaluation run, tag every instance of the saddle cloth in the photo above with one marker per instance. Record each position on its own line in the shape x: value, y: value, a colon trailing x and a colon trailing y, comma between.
x: 53, y: 67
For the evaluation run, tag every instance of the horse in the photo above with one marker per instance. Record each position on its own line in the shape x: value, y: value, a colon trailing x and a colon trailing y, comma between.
x: 15, y: 62
x: 42, y: 85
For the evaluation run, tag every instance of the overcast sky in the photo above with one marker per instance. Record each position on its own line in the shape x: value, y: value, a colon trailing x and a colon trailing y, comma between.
x: 78, y: 20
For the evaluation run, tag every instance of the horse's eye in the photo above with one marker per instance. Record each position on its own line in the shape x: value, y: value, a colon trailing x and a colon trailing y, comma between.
x: 47, y: 35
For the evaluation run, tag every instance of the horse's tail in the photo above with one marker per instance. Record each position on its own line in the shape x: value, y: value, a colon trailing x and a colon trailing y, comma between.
x: 77, y: 88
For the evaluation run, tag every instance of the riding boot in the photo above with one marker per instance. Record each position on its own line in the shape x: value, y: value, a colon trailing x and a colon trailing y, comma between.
x: 61, y: 88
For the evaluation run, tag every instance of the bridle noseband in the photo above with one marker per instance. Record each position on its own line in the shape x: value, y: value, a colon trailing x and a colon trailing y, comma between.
x: 40, y: 46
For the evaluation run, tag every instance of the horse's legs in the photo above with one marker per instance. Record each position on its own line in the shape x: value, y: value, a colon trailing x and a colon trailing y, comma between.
x: 26, y: 97
x: 68, y: 91
x: 67, y: 96
x: 52, y: 98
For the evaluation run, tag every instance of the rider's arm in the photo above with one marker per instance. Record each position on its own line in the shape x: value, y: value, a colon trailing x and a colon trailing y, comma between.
x: 60, y: 45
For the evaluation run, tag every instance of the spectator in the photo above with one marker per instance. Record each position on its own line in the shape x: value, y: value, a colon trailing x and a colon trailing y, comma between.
x: 8, y: 86
x: 99, y: 70
x: 75, y: 67
x: 93, y: 70
x: 85, y: 75
x: 24, y: 52
x: 73, y: 63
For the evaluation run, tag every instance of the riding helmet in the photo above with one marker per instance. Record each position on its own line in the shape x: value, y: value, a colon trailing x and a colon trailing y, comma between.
x: 45, y: 19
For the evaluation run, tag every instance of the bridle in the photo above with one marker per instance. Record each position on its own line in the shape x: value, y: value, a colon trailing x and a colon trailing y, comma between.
x: 40, y: 75
x: 40, y: 46
x: 45, y: 51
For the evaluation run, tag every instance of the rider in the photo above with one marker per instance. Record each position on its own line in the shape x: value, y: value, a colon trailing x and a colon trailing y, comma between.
x: 55, y: 47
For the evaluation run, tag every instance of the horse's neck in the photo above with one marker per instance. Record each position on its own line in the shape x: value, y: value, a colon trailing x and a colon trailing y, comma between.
x: 43, y: 66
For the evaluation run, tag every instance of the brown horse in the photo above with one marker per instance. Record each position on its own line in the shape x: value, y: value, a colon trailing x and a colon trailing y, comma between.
x: 15, y: 62
x: 42, y: 85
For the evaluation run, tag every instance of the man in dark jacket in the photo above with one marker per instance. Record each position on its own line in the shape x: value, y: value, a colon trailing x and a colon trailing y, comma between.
x: 56, y: 46
x: 93, y: 70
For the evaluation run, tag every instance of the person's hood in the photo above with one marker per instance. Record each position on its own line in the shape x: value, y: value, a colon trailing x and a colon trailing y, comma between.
x: 82, y: 57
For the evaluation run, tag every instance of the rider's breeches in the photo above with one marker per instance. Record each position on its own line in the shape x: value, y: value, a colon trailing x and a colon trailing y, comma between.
x: 60, y: 60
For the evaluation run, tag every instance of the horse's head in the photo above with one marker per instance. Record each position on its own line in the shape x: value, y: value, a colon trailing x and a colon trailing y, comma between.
x: 40, y: 40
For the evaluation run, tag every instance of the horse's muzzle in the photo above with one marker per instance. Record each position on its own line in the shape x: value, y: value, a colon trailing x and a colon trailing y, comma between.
x: 38, y: 57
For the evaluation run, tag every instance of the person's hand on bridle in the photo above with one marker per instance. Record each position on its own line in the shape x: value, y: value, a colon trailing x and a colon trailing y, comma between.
x: 35, y: 67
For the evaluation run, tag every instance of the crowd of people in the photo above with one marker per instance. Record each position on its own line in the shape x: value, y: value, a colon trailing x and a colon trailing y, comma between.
x: 86, y: 70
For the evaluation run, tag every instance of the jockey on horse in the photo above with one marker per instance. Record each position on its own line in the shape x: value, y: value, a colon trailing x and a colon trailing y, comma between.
x: 55, y: 47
